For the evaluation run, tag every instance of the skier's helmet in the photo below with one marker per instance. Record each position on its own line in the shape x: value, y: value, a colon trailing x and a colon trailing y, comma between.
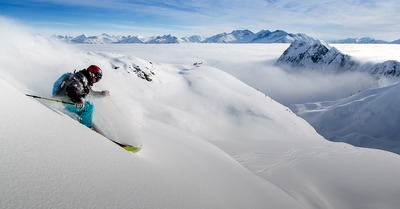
x: 95, y: 72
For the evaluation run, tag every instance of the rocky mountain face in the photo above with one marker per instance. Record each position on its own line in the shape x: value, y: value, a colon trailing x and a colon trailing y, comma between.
x: 389, y: 68
x: 318, y: 55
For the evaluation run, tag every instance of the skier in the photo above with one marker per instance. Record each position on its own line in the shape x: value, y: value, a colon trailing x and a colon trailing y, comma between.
x: 76, y: 86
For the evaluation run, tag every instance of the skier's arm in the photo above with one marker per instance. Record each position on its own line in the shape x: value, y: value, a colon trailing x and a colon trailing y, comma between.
x: 103, y: 93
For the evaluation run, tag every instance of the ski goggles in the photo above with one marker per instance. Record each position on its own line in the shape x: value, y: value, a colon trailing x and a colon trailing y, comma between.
x: 96, y: 76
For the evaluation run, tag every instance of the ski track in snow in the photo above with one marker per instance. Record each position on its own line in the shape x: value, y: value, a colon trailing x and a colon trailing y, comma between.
x: 267, y: 162
x: 327, y: 106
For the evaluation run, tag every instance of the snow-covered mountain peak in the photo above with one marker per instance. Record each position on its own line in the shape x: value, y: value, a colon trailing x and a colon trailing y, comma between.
x: 165, y: 39
x: 278, y: 36
x: 242, y: 33
x: 318, y: 55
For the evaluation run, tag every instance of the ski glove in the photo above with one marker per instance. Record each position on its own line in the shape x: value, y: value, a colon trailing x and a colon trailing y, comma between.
x: 105, y: 93
x: 79, y: 105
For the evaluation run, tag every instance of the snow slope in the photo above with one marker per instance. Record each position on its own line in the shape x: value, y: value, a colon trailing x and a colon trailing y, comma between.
x: 367, y: 119
x: 200, y: 129
x: 51, y: 161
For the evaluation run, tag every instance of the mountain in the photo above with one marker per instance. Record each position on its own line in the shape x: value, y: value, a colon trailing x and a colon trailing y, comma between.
x: 193, y: 39
x: 396, y: 41
x: 102, y: 39
x: 236, y: 36
x: 364, y: 40
x: 62, y: 38
x: 264, y: 36
x: 319, y: 56
x: 166, y: 39
x: 367, y: 119
x: 316, y: 55
x: 130, y: 40
x: 389, y: 68
x: 278, y: 36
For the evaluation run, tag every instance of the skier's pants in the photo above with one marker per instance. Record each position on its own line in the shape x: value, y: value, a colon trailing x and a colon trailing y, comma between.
x: 85, y: 114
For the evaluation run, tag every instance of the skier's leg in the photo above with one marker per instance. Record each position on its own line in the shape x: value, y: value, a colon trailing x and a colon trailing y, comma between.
x: 73, y: 112
x: 87, y: 114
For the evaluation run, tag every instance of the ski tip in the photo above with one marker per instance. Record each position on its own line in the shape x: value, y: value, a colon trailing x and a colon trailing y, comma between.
x: 132, y: 149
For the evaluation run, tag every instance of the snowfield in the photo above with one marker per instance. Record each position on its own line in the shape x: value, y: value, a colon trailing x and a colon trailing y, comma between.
x: 209, y: 140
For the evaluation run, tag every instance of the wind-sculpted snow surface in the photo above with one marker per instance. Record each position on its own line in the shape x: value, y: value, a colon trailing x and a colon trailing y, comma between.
x: 208, y: 141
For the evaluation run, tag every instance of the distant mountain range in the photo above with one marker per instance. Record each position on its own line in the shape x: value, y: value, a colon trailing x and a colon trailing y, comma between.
x: 318, y: 55
x: 236, y: 36
x: 364, y: 40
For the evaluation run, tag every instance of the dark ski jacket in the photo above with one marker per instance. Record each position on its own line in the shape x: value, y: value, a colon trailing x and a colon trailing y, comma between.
x: 75, y: 85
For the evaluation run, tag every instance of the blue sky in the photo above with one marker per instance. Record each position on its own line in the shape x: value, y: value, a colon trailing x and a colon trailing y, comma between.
x: 324, y: 19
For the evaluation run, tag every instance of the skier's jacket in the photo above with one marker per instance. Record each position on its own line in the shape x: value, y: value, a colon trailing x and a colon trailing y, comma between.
x: 74, y: 85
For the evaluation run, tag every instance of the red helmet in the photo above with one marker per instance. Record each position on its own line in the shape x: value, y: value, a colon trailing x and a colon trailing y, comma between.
x: 95, y: 72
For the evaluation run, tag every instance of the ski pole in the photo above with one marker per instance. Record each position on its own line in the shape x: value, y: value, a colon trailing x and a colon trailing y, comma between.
x: 49, y: 99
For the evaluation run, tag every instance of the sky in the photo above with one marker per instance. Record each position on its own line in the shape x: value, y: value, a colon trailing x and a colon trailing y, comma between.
x: 323, y: 19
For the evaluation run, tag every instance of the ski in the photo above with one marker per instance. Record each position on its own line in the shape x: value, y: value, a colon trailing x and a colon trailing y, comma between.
x: 127, y: 147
